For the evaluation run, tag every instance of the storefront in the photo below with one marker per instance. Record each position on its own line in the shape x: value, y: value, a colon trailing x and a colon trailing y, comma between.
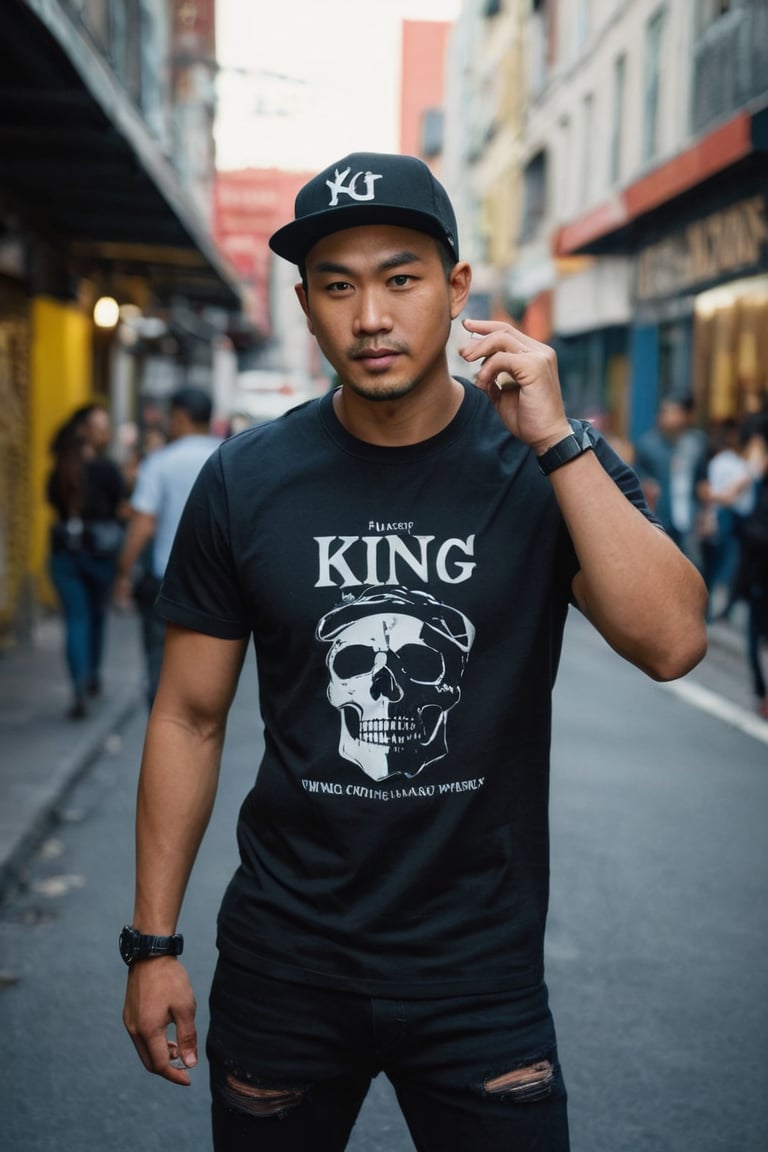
x: 701, y: 308
x: 695, y: 230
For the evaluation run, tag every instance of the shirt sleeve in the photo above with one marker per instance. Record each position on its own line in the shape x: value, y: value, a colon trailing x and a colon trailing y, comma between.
x: 625, y: 477
x: 146, y: 495
x: 201, y: 589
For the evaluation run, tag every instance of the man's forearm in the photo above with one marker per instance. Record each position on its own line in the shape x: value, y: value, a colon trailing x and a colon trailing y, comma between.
x: 141, y: 529
x: 177, y: 788
x: 634, y: 584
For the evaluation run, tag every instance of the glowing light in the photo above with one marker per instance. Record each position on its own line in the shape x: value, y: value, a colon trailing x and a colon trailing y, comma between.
x: 106, y: 312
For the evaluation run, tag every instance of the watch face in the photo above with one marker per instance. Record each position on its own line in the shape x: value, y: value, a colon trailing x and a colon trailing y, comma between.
x: 134, y: 946
x: 127, y: 942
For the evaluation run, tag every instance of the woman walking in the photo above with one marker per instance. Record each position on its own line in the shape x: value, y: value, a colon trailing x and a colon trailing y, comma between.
x: 85, y: 489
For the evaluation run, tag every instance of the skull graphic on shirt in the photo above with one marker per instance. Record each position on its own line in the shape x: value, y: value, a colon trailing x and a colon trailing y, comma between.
x: 395, y: 663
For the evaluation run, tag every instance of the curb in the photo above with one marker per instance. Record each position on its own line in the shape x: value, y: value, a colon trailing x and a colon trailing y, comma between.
x: 69, y: 771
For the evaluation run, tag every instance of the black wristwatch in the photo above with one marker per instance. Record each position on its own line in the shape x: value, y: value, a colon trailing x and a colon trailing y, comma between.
x: 566, y: 449
x: 135, y: 946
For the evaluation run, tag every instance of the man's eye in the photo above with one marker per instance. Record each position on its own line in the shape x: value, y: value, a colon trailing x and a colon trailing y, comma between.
x: 338, y: 286
x: 401, y: 279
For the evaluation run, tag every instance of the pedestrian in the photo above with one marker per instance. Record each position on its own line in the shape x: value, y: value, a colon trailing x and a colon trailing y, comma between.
x: 164, y: 480
x: 85, y: 489
x: 752, y: 585
x: 754, y: 434
x: 403, y: 551
x: 726, y: 496
x: 670, y: 460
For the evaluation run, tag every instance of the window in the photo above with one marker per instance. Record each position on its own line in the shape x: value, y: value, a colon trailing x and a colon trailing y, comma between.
x: 534, y: 196
x: 708, y: 11
x: 583, y: 24
x: 653, y: 45
x: 541, y: 47
x: 617, y: 122
x: 564, y: 183
x: 126, y: 45
x: 587, y: 151
x: 432, y: 132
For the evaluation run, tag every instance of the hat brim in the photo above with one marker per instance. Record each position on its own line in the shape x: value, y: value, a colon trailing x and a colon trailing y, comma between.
x: 295, y: 240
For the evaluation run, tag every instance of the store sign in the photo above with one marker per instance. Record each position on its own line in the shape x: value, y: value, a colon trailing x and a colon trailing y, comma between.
x: 707, y: 251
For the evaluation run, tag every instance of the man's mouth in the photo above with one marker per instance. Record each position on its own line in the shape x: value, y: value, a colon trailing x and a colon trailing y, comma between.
x: 376, y: 359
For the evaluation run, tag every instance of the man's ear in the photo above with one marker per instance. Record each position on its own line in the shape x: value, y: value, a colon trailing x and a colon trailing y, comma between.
x: 459, y: 284
x: 301, y: 294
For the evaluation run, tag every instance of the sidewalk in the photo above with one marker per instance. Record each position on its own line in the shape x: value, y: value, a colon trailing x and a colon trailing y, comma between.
x: 42, y: 753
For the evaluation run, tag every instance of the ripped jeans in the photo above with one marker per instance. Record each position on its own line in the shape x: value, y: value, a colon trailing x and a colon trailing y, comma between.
x: 291, y: 1065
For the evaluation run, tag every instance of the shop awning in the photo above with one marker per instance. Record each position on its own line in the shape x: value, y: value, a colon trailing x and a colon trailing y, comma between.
x: 728, y: 157
x: 79, y: 165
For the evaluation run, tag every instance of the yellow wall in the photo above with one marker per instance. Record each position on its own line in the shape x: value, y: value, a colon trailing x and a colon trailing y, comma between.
x: 60, y: 381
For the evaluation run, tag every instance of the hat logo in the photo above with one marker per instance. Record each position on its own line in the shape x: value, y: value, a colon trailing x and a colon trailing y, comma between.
x: 337, y: 186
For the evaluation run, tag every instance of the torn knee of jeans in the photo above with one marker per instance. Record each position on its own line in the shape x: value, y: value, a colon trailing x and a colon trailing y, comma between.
x: 256, y: 1100
x: 522, y: 1085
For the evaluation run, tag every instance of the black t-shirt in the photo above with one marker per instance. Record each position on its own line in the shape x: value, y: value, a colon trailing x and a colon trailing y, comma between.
x: 407, y: 607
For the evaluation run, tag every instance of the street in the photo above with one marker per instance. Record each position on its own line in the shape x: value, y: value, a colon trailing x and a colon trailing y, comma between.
x: 655, y: 951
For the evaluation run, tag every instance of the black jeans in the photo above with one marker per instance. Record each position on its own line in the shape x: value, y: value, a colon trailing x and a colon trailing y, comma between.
x: 291, y: 1065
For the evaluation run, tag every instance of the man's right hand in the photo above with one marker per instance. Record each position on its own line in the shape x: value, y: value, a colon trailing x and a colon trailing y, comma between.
x: 159, y: 995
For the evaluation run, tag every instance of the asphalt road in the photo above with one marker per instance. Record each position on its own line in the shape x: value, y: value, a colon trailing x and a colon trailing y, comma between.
x: 656, y: 943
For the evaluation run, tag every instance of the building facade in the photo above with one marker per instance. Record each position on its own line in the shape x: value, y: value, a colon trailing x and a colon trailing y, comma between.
x: 638, y: 192
x: 106, y: 111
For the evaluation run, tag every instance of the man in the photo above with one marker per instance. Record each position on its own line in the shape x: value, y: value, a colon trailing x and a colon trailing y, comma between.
x: 671, y: 459
x: 164, y: 481
x: 403, y: 551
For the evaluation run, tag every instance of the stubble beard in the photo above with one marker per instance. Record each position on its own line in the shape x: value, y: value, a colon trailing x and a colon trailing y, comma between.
x: 382, y: 393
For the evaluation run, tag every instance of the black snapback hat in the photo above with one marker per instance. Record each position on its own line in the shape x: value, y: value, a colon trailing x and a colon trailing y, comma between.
x: 368, y: 188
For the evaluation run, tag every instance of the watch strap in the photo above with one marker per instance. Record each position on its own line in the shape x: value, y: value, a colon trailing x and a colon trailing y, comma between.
x: 135, y: 945
x: 567, y: 449
x: 160, y: 945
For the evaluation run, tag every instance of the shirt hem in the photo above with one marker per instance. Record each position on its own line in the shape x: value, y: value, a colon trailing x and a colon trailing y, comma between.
x: 416, y: 988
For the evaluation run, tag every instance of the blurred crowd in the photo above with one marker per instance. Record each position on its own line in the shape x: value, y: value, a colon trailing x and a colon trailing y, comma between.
x: 114, y: 522
x: 709, y: 489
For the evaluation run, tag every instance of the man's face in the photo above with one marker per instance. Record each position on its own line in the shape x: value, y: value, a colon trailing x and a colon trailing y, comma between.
x: 673, y: 418
x: 380, y: 305
x: 99, y: 429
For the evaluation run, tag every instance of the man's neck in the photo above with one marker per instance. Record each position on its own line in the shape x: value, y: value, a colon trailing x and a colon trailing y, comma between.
x: 398, y: 423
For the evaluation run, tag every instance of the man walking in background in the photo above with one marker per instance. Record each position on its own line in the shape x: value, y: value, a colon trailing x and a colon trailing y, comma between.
x: 164, y: 482
x: 670, y: 460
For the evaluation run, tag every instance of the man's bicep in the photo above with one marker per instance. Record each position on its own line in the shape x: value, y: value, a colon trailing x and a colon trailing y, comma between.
x: 199, y: 674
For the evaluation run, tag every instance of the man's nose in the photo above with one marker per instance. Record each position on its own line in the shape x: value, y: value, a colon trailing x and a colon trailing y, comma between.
x: 372, y: 313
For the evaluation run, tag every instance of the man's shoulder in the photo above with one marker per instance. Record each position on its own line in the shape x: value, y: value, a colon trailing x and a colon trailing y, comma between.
x: 198, y: 448
x: 185, y: 448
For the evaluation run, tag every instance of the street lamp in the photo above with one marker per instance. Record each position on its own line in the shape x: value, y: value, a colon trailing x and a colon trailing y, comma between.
x: 106, y: 312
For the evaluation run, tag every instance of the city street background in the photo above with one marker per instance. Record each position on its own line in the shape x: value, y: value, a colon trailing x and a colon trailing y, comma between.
x: 608, y: 163
x: 655, y: 948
